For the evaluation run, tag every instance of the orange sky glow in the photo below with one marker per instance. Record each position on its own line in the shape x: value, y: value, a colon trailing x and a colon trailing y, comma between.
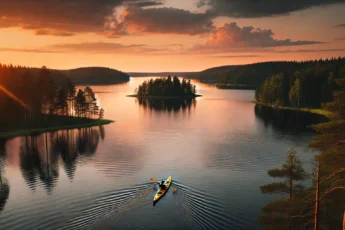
x: 154, y: 36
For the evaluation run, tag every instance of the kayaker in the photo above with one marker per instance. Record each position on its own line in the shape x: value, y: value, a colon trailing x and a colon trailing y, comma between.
x: 162, y: 185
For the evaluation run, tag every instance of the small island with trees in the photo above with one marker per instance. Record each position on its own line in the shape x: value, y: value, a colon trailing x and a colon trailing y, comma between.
x: 166, y: 88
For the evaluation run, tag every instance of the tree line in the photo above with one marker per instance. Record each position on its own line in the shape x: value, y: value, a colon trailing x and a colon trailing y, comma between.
x: 167, y: 86
x: 250, y: 74
x: 309, y: 84
x: 321, y: 205
x: 28, y: 95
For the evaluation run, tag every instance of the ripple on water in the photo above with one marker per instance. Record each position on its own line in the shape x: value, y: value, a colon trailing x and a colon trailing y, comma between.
x: 108, y: 205
x: 203, y: 210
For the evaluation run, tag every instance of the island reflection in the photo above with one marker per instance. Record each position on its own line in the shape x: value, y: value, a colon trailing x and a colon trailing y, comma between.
x: 168, y: 105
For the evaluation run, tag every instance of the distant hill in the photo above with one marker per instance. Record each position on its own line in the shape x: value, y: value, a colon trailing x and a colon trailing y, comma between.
x: 252, y: 74
x: 95, y: 76
x: 161, y: 74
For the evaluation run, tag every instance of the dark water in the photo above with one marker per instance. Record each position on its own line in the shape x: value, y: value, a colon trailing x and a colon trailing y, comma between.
x: 217, y: 148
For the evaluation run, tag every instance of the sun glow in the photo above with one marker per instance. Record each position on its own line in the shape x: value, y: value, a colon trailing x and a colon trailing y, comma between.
x: 11, y: 95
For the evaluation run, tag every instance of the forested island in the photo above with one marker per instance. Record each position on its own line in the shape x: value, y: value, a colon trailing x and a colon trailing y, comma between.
x: 321, y: 204
x: 167, y: 87
x: 41, y: 100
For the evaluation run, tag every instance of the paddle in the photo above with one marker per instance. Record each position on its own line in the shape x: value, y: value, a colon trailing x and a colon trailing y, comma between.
x: 154, y: 180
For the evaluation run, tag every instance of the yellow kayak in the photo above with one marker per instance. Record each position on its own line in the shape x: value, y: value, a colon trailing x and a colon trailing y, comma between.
x: 161, y: 192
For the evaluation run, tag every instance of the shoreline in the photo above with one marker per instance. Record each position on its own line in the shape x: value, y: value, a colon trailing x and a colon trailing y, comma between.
x: 318, y: 111
x: 165, y: 97
x: 235, y: 86
x: 35, y: 131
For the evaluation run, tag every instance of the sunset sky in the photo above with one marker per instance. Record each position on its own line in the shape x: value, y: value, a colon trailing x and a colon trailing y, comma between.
x: 168, y: 35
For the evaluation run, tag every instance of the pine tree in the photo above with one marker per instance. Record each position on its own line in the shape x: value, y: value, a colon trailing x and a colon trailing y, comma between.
x: 46, y: 90
x: 280, y: 214
x: 90, y: 101
x: 176, y: 84
x: 292, y: 170
x: 183, y: 86
x: 80, y: 104
x: 331, y: 183
x: 61, y: 102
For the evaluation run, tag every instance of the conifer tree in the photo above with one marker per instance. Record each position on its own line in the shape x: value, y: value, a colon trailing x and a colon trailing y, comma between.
x: 291, y: 170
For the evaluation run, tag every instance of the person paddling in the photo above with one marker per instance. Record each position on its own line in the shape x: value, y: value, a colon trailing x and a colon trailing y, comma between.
x: 162, y: 185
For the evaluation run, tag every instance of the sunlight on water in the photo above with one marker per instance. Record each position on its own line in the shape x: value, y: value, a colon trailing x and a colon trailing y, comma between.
x: 217, y: 149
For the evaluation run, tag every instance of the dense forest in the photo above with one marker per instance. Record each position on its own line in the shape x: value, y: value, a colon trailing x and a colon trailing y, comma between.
x: 172, y: 87
x: 29, y: 96
x: 321, y: 205
x: 252, y: 75
x: 95, y: 76
x: 309, y: 84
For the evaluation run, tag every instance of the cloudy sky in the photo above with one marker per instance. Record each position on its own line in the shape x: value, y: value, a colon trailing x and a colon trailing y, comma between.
x: 168, y: 35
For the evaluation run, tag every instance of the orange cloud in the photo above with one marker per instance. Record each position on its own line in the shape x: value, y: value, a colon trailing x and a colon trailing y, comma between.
x: 231, y: 37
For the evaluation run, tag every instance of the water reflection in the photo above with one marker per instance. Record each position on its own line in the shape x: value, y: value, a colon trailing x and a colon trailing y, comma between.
x: 287, y: 120
x: 170, y: 105
x: 37, y: 164
x: 4, y: 186
x: 39, y: 155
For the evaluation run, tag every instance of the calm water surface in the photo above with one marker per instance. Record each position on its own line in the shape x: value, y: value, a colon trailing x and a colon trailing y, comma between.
x: 217, y: 148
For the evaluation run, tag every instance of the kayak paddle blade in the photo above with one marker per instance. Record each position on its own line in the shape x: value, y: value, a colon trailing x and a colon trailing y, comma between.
x: 153, y: 180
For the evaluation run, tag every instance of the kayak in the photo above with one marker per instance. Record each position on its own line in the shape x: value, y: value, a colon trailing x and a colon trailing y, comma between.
x: 161, y: 192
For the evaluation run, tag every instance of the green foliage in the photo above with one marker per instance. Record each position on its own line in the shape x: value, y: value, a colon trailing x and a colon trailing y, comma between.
x: 309, y: 84
x: 330, y: 142
x: 166, y: 87
x: 273, y: 90
x: 328, y: 189
x: 292, y: 170
x: 279, y: 214
x: 295, y: 93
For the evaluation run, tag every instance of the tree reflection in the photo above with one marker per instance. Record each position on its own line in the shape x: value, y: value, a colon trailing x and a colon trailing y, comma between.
x: 4, y: 186
x: 37, y: 163
x: 287, y: 120
x: 170, y: 105
x: 63, y: 143
x: 39, y: 155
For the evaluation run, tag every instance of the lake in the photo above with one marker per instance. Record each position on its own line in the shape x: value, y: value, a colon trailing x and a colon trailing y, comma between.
x: 217, y: 148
